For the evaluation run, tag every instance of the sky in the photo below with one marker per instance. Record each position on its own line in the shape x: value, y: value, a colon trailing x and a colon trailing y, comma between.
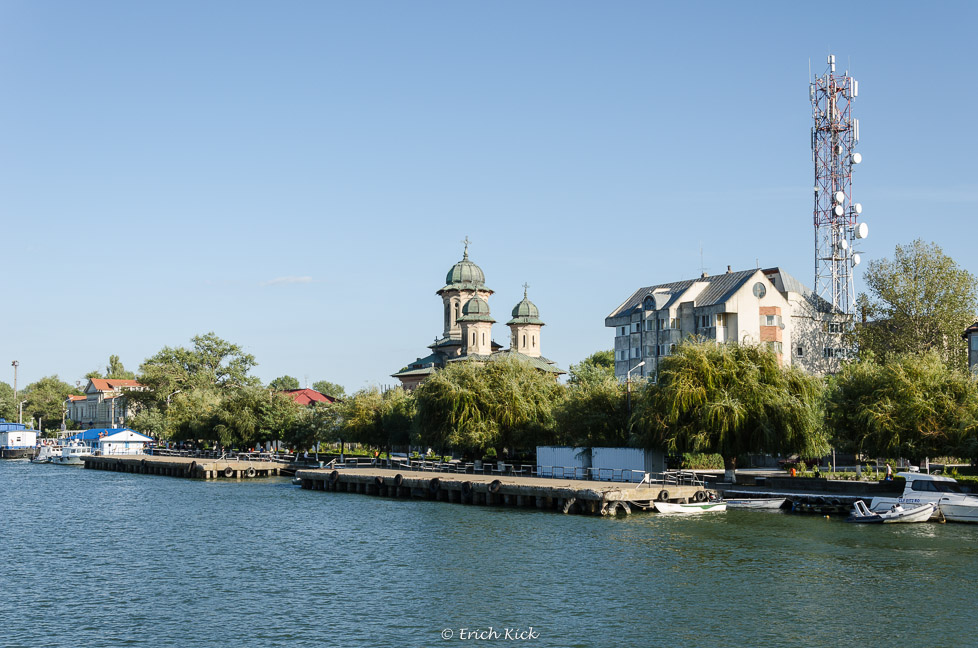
x: 297, y: 177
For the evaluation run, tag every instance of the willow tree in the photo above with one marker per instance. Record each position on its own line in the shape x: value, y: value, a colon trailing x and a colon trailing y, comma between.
x: 452, y: 411
x: 593, y: 412
x: 732, y: 400
x: 912, y: 406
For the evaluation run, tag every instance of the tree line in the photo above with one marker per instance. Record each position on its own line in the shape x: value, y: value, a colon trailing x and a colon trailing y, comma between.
x: 907, y: 393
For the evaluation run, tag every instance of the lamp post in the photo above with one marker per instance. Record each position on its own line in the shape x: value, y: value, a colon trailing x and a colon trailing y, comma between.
x: 15, y: 364
x: 628, y: 384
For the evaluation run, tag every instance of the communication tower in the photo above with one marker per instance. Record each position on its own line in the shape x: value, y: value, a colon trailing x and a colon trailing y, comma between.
x: 837, y: 218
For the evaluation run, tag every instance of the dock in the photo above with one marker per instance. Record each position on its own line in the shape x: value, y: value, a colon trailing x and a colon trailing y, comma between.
x: 187, y: 467
x: 564, y: 495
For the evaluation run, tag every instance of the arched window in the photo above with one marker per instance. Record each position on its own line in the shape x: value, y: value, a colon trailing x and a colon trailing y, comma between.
x: 483, y: 339
x: 473, y: 338
x: 524, y: 339
x: 456, y: 311
x: 534, y: 338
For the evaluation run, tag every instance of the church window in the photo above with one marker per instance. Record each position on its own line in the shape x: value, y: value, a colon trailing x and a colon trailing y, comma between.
x: 524, y: 339
x: 534, y: 338
x: 483, y: 339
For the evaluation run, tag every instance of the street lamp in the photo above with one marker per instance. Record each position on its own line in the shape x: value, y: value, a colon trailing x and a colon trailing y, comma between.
x: 15, y: 364
x: 628, y: 384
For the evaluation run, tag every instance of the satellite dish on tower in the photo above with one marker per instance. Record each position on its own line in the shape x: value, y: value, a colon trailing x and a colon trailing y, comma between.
x: 839, y: 210
x: 839, y: 197
x: 856, y: 259
x: 858, y: 208
x: 856, y: 158
x: 862, y: 230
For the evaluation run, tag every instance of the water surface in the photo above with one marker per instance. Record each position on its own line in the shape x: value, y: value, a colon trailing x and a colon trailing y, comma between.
x: 95, y: 558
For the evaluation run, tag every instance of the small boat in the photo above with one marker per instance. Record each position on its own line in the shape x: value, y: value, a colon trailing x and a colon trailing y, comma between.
x: 72, y: 454
x: 297, y: 481
x: 47, y: 454
x: 862, y: 513
x: 692, y: 507
x: 756, y: 503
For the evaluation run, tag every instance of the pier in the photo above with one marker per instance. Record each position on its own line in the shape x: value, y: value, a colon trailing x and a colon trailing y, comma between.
x: 564, y: 495
x: 187, y: 467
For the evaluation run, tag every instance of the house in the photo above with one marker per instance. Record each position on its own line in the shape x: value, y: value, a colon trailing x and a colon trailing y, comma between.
x: 307, y: 396
x: 16, y: 440
x: 122, y: 442
x: 768, y: 307
x: 970, y: 336
x: 467, y: 333
x: 104, y: 404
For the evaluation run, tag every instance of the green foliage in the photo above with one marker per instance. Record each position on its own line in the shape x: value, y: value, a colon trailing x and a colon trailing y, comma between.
x: 732, y: 400
x: 917, y: 302
x: 8, y: 404
x: 913, y: 406
x: 317, y: 423
x: 360, y: 417
x: 114, y: 369
x: 700, y: 461
x: 598, y: 365
x: 46, y: 400
x: 248, y: 416
x: 284, y: 383
x: 593, y: 412
x: 328, y: 388
x: 474, y: 407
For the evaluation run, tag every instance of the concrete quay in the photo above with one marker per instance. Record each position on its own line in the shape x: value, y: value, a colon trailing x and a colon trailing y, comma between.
x: 186, y: 467
x: 565, y: 495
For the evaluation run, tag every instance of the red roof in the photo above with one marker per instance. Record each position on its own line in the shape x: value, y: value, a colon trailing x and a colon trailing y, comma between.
x: 77, y: 398
x: 111, y: 384
x: 308, y: 396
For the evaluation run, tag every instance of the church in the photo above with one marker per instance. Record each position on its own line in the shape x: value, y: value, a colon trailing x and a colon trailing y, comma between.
x: 467, y: 333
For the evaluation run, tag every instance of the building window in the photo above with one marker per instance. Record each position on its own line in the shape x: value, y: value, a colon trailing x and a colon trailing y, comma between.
x: 721, y: 319
x: 974, y: 342
x: 483, y: 339
x: 524, y: 339
x: 672, y: 349
x: 800, y: 351
x: 660, y: 324
x: 834, y: 327
x: 830, y: 352
x: 774, y: 346
x: 623, y: 330
x: 769, y: 320
x: 533, y: 338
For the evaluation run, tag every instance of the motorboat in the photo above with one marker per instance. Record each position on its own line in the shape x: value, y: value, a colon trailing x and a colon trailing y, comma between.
x: 692, y: 507
x: 47, y: 453
x: 945, y: 492
x: 758, y: 503
x: 73, y: 454
x: 896, y: 513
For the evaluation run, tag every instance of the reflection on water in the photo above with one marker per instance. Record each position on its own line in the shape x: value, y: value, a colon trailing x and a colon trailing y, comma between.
x: 152, y: 561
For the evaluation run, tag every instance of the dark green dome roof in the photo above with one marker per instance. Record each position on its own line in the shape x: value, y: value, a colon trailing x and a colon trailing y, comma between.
x: 465, y: 272
x: 476, y: 310
x: 525, y: 312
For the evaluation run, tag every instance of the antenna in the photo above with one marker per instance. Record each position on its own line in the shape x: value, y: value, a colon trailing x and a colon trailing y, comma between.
x: 703, y: 268
x: 834, y: 137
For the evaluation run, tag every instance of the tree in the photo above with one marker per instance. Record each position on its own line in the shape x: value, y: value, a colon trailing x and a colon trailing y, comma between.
x: 360, y: 417
x: 46, y: 399
x: 594, y: 411
x: 329, y: 389
x: 284, y: 383
x: 248, y: 416
x: 114, y: 369
x: 598, y: 365
x: 8, y: 404
x: 917, y: 302
x: 913, y: 406
x: 731, y: 399
x: 318, y: 423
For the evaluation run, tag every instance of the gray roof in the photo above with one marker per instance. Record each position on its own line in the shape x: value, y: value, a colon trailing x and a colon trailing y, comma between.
x: 789, y: 283
x: 721, y: 288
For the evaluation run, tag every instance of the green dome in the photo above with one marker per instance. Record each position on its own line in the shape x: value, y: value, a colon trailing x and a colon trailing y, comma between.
x: 525, y: 312
x: 476, y: 310
x: 465, y: 272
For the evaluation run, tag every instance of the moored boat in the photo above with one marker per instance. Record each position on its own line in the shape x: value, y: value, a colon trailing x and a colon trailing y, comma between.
x: 692, y: 507
x: 896, y: 514
x: 945, y: 492
x: 73, y: 454
x: 47, y: 454
x: 756, y: 503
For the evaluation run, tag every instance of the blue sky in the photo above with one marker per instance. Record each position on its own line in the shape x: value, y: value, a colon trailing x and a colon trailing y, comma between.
x: 297, y: 176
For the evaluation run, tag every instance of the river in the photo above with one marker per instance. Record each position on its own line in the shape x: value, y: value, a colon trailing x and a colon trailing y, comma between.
x: 94, y: 558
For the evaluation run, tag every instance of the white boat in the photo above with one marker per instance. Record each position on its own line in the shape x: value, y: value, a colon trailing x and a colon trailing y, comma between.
x: 72, y: 454
x: 896, y: 513
x: 692, y: 507
x: 945, y: 492
x: 756, y: 503
x: 47, y: 454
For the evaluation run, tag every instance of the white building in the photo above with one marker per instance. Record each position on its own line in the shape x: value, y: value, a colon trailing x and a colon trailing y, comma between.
x: 768, y: 307
x: 123, y: 442
x: 104, y: 404
x: 16, y: 440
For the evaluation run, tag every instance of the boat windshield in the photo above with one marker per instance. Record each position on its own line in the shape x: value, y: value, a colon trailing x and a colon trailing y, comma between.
x: 935, y: 486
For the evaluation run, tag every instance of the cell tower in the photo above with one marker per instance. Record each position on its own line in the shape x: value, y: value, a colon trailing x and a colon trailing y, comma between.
x: 834, y: 138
